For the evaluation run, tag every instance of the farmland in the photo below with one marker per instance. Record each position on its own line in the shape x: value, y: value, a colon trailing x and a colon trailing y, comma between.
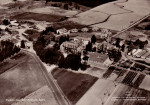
x: 119, y: 15
x: 74, y: 85
x: 22, y: 76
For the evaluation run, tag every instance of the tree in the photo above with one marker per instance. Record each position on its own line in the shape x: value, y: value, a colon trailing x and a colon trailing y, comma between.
x: 47, y: 1
x: 118, y: 42
x: 114, y: 55
x: 93, y: 39
x: 6, y: 22
x: 63, y: 39
x: 72, y: 61
x: 66, y: 6
x: 22, y: 44
x: 89, y: 47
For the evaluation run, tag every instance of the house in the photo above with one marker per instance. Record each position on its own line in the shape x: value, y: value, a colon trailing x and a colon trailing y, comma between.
x: 70, y: 46
x: 3, y: 27
x: 140, y: 53
x: 99, y: 60
x: 82, y: 39
x: 85, y: 29
x: 95, y: 28
x: 104, y: 30
x: 14, y: 23
x: 62, y: 31
x: 74, y: 30
x: 145, y: 55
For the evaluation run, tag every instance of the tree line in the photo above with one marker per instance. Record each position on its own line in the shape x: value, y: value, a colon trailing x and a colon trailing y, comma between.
x: 7, y: 48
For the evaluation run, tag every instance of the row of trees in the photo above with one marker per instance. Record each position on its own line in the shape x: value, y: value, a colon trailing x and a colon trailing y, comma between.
x: 7, y: 48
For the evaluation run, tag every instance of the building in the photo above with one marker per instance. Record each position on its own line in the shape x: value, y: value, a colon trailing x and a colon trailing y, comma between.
x: 83, y: 40
x: 70, y: 46
x: 74, y: 30
x: 85, y: 29
x: 99, y: 60
x: 3, y: 27
x: 62, y: 31
x: 95, y: 28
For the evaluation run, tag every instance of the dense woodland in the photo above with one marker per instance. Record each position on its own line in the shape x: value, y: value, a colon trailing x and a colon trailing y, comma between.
x: 89, y: 3
x: 7, y: 48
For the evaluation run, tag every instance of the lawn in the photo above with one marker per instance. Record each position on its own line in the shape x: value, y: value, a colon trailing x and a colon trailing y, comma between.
x: 37, y: 17
x: 74, y: 85
x: 20, y: 80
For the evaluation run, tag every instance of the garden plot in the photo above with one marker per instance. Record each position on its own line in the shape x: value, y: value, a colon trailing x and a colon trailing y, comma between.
x: 54, y: 10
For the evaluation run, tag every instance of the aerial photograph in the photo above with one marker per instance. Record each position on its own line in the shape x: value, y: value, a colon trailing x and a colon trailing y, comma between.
x: 74, y: 52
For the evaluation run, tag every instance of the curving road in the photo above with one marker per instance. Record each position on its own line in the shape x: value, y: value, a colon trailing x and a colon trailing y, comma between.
x: 59, y: 95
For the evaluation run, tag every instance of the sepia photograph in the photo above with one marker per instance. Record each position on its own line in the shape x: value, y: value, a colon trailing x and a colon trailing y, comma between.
x: 74, y: 52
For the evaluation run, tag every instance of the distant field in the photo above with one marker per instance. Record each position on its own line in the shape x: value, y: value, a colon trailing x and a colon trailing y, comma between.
x: 116, y: 15
x: 37, y: 17
x: 73, y: 85
x: 20, y: 80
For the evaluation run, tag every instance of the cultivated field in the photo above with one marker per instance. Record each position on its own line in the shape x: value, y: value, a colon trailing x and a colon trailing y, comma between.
x: 21, y: 79
x: 42, y: 96
x: 74, y: 85
x: 116, y: 15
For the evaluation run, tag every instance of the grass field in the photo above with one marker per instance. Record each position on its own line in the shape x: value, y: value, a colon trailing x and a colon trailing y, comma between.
x: 37, y: 17
x: 74, y: 85
x: 20, y: 80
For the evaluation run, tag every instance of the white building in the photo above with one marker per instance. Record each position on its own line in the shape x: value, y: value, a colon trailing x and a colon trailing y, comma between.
x: 62, y: 31
x: 85, y: 29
